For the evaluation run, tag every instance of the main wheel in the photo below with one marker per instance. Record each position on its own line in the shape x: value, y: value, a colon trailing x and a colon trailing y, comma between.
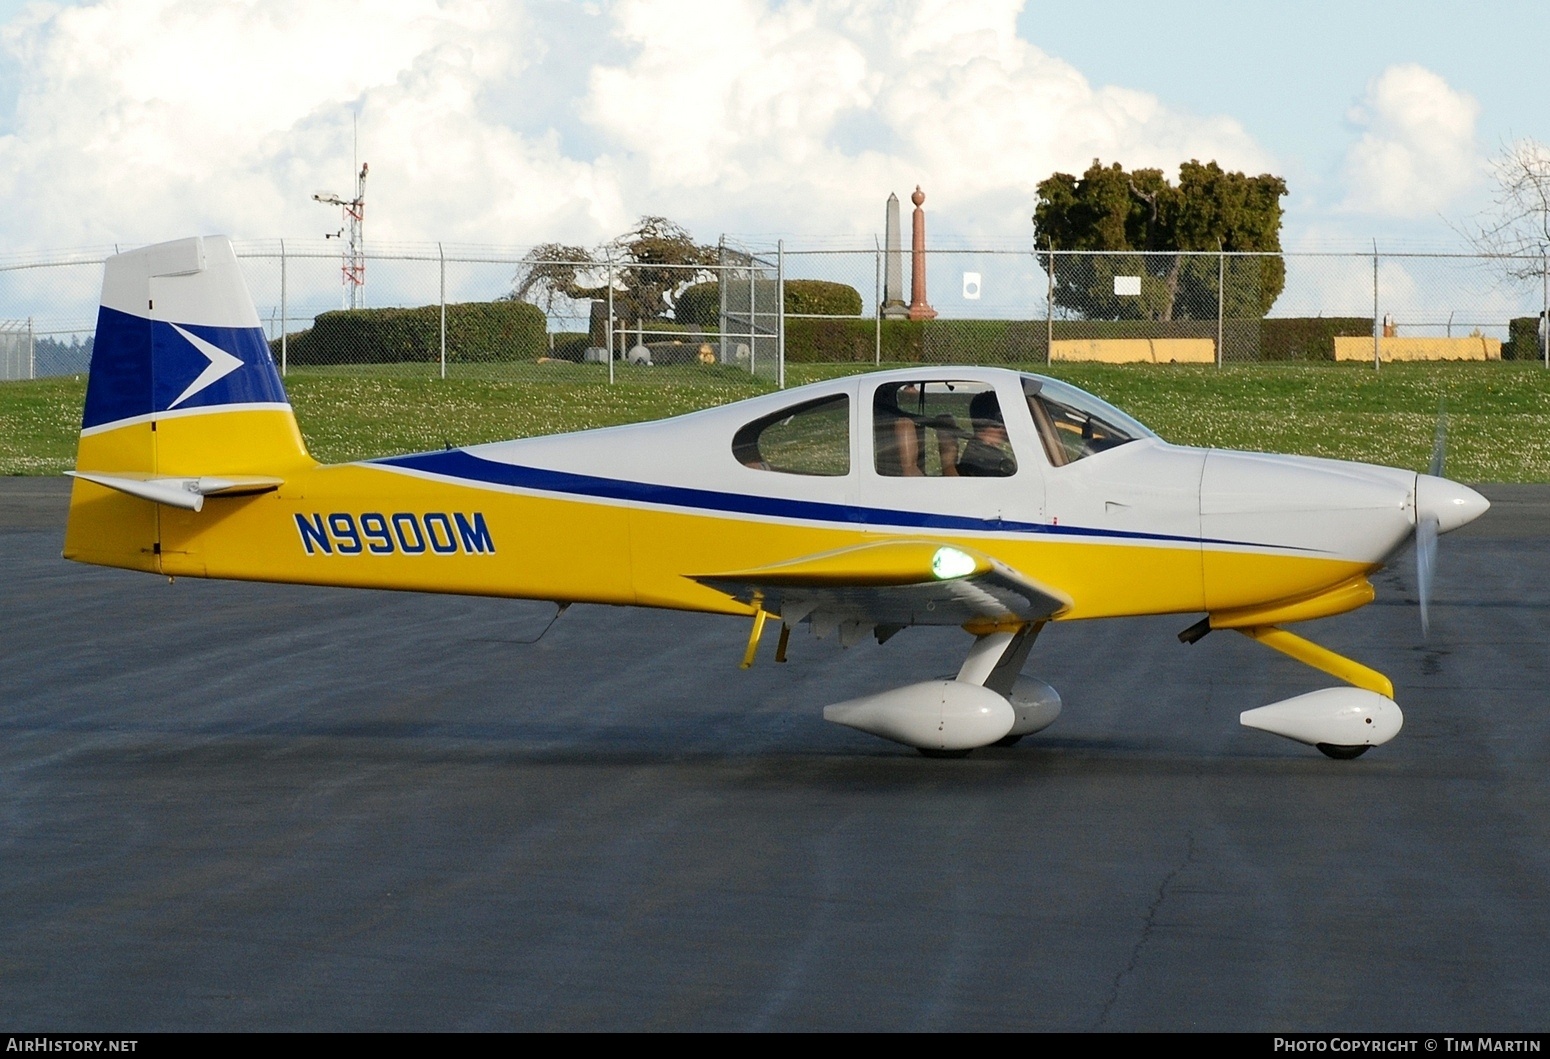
x: 927, y: 751
x: 1343, y: 753
x: 1008, y: 740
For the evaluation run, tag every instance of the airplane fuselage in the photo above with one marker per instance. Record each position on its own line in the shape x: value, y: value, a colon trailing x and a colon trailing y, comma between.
x: 628, y: 515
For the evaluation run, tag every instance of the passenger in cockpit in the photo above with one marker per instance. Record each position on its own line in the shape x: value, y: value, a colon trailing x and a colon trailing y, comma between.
x: 900, y: 438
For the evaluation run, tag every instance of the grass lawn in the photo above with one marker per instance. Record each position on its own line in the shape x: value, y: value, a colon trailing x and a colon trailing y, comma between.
x: 1498, y: 413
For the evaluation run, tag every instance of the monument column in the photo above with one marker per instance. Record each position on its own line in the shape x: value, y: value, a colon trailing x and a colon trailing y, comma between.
x: 919, y: 310
x: 893, y: 266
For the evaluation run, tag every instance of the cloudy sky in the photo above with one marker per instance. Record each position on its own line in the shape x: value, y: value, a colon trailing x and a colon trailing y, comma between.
x: 513, y: 123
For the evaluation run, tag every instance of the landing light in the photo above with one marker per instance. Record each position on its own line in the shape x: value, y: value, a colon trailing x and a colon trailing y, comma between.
x: 949, y: 563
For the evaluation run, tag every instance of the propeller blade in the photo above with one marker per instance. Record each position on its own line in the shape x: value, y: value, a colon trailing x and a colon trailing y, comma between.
x: 1440, y: 441
x: 1425, y: 566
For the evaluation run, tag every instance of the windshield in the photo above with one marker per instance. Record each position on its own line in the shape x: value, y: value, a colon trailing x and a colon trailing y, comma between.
x: 1074, y: 424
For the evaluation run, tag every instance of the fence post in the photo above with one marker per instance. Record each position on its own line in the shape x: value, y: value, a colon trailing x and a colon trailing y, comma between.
x: 1049, y: 309
x: 721, y: 296
x: 877, y: 304
x: 1544, y: 304
x: 32, y: 354
x: 1377, y: 321
x: 780, y: 318
x: 1221, y: 297
x: 441, y: 257
x: 610, y: 319
x: 284, y: 337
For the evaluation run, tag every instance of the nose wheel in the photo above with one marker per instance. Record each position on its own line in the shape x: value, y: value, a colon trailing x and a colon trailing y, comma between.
x: 1342, y: 753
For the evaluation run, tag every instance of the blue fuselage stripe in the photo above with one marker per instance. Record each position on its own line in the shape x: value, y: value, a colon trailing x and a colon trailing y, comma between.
x: 458, y: 464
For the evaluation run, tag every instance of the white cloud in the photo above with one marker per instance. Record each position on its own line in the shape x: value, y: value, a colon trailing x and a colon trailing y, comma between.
x: 139, y: 119
x: 1418, y: 151
x: 520, y: 123
x: 803, y: 116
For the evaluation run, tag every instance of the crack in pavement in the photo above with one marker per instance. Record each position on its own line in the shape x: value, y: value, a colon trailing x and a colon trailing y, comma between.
x: 1146, y: 932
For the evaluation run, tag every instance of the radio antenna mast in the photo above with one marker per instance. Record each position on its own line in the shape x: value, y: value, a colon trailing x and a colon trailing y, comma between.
x: 352, y: 236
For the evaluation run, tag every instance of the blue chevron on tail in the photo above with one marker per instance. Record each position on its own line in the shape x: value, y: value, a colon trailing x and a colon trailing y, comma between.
x: 177, y: 331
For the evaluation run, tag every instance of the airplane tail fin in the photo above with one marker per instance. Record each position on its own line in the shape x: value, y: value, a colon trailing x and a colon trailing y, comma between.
x: 183, y: 401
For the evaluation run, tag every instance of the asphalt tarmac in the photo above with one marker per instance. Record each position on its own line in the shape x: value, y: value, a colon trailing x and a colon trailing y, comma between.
x: 231, y: 806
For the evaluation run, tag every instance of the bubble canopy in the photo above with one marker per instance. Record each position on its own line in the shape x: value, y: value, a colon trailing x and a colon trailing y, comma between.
x: 1073, y: 424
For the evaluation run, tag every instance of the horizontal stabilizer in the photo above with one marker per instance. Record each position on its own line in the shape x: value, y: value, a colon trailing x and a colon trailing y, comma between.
x: 186, y: 493
x: 894, y: 583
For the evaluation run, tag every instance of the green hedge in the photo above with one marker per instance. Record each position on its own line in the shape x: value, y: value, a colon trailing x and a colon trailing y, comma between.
x: 818, y: 297
x: 1308, y: 337
x: 1021, y: 341
x: 570, y: 345
x: 910, y: 341
x: 476, y: 332
x: 701, y: 303
x: 1522, y: 339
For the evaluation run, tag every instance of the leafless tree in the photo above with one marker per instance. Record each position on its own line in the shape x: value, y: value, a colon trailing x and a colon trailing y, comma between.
x: 650, y: 265
x: 1515, y: 229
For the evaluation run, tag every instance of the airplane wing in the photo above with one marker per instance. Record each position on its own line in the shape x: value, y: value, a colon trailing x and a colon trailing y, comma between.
x: 891, y: 584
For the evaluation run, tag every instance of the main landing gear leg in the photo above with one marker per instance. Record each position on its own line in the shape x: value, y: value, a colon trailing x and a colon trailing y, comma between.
x: 1342, y: 722
x: 994, y: 662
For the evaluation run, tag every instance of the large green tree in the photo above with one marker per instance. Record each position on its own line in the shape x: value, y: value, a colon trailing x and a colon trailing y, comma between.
x: 1209, y: 209
x: 651, y: 264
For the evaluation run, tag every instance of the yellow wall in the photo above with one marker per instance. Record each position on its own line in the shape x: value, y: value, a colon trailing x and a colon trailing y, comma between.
x: 1136, y: 350
x: 1472, y: 347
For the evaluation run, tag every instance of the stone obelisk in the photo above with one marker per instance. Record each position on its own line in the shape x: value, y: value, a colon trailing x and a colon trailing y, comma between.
x: 919, y: 310
x: 893, y: 266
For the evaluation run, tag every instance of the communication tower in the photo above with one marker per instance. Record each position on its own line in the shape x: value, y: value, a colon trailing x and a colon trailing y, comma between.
x: 352, y: 250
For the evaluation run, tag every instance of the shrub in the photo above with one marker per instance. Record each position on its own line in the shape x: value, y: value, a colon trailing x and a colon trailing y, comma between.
x: 1024, y: 341
x: 570, y: 345
x: 701, y: 303
x: 476, y: 332
x: 820, y: 297
x: 1522, y: 339
x: 1308, y: 337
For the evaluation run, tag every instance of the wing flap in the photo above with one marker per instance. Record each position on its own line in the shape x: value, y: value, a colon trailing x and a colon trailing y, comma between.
x: 893, y: 583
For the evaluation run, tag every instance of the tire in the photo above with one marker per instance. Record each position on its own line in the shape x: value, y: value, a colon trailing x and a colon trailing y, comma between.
x: 1008, y: 740
x: 1343, y: 753
x: 931, y: 752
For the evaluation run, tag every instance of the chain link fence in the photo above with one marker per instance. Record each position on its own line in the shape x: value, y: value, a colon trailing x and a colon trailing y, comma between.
x: 1034, y: 307
x: 439, y: 310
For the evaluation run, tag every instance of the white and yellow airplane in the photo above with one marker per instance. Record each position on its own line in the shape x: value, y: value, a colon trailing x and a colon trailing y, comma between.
x: 978, y: 497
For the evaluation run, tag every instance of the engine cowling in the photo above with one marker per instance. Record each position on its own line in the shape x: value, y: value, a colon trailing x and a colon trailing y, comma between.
x: 934, y: 714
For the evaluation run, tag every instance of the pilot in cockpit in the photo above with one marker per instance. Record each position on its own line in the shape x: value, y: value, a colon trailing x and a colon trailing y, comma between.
x: 987, y: 453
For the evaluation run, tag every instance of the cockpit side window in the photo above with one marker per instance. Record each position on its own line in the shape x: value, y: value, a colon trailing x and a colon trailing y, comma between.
x: 809, y: 438
x: 946, y: 428
x: 1073, y: 424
